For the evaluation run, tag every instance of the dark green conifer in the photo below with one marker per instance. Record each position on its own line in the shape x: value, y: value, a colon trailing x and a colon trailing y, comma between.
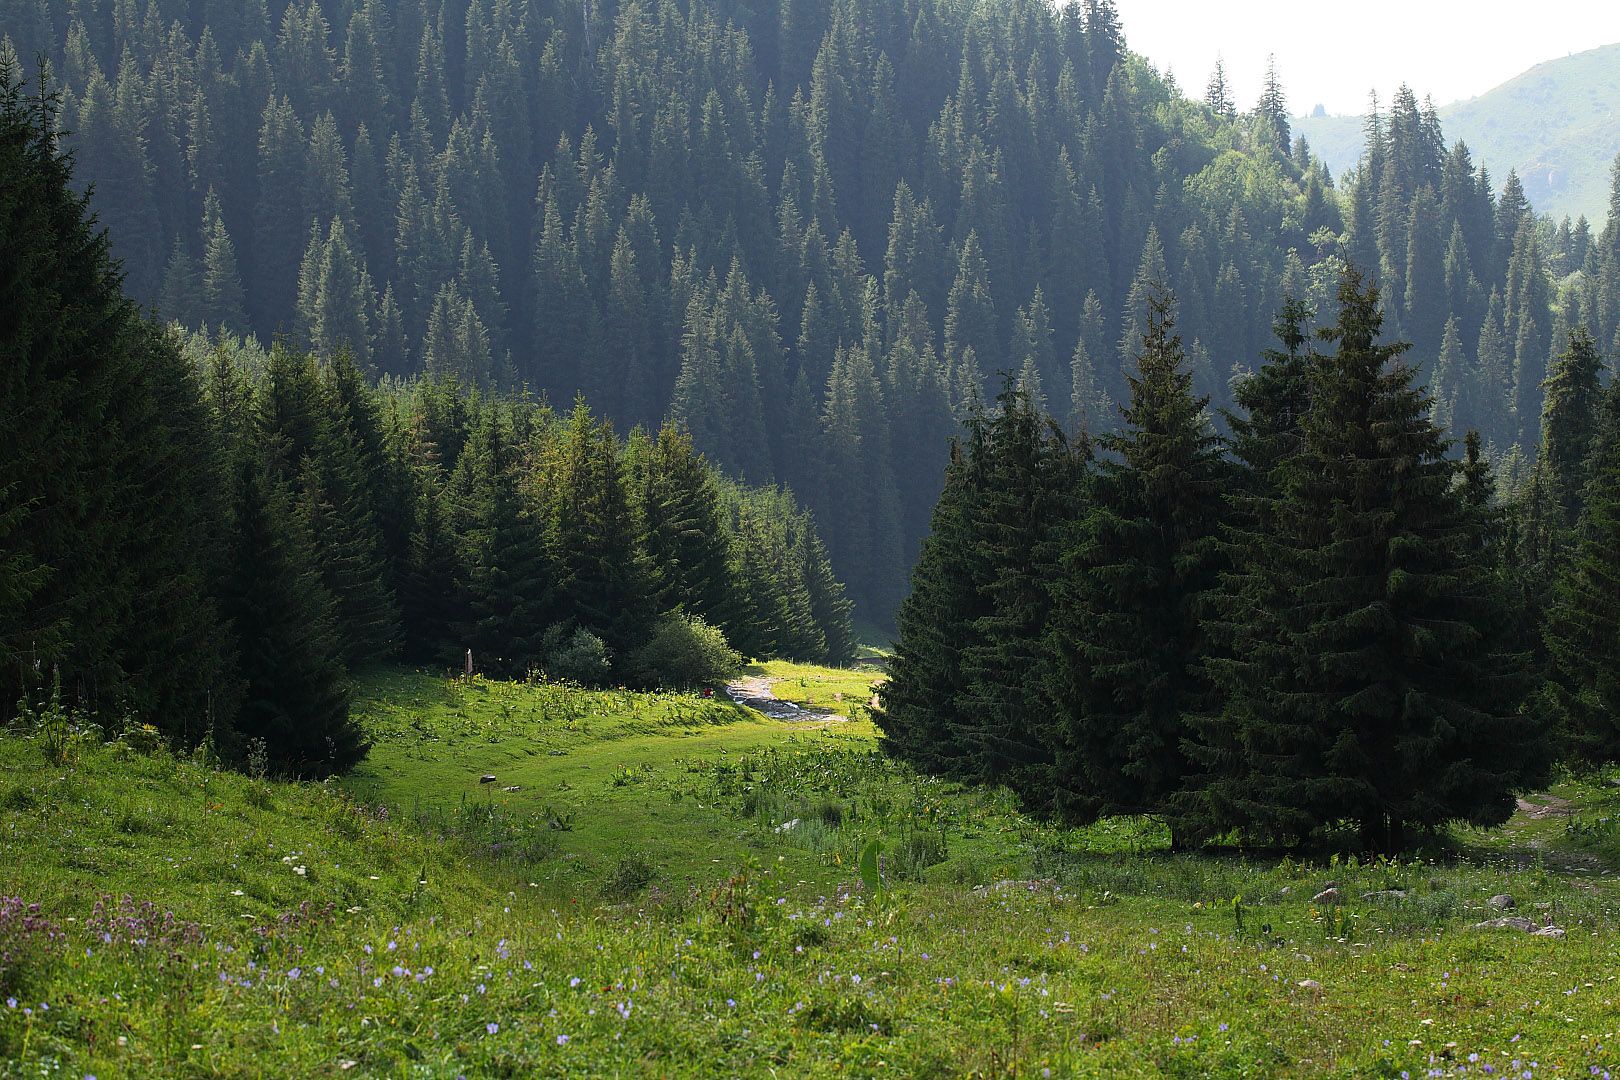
x: 295, y: 699
x: 512, y: 573
x: 1367, y: 675
x: 1126, y: 642
x: 924, y: 700
x: 603, y: 575
x: 1583, y: 630
x: 1032, y: 479
x: 1569, y: 421
x: 682, y: 527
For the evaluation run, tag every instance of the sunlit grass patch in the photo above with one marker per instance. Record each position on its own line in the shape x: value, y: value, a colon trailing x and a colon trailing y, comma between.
x: 625, y: 899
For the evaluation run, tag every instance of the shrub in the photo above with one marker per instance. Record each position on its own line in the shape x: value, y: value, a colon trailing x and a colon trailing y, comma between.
x: 628, y: 877
x: 685, y: 651
x: 59, y: 728
x: 916, y: 852
x: 575, y: 655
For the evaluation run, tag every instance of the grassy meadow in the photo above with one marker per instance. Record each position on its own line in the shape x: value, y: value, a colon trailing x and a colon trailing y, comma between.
x: 662, y: 885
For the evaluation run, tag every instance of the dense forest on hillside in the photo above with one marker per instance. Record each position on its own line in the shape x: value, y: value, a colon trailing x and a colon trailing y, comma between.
x: 812, y: 233
x: 207, y: 537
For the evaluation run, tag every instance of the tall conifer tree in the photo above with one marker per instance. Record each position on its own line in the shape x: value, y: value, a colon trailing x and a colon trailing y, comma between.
x: 1368, y: 678
x: 1126, y: 640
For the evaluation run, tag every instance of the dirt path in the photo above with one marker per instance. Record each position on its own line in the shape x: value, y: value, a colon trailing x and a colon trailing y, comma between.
x: 757, y: 693
x: 1548, y: 806
x: 1541, y: 846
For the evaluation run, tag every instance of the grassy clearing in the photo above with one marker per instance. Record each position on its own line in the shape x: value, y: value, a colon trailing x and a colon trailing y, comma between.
x: 847, y: 692
x: 673, y: 889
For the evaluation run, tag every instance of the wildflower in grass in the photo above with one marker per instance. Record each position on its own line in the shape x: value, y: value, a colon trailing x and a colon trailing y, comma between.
x: 573, y: 982
x: 562, y: 1040
x: 492, y: 1028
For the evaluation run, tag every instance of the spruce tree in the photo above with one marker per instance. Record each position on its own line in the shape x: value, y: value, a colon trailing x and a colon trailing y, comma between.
x: 1569, y: 424
x: 110, y: 496
x: 1272, y: 111
x: 1126, y: 641
x: 602, y: 571
x: 1583, y: 629
x: 224, y: 304
x: 1367, y: 675
x: 432, y: 582
x: 682, y: 527
x: 1032, y: 477
x: 511, y: 570
x: 295, y: 700
x: 923, y: 703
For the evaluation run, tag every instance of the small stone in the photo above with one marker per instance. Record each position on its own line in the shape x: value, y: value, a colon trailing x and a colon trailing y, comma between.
x: 1329, y: 895
x: 511, y: 787
x: 1310, y: 984
x: 1549, y: 931
x: 1510, y: 922
x: 1501, y: 902
x: 486, y: 779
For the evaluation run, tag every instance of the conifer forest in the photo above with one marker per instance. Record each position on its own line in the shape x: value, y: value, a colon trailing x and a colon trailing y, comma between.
x: 715, y: 469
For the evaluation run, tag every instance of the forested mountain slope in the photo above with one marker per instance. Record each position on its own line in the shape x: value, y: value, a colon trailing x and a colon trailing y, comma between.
x: 1557, y: 125
x: 811, y: 232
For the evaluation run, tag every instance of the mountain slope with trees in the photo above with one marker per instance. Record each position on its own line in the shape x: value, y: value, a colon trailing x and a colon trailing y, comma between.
x: 1555, y: 125
x: 812, y: 234
x: 208, y: 537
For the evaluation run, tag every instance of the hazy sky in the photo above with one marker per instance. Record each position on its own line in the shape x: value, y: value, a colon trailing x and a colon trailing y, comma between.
x: 1447, y: 49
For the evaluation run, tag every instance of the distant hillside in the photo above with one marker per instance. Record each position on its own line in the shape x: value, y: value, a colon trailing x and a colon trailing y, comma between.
x: 1558, y: 124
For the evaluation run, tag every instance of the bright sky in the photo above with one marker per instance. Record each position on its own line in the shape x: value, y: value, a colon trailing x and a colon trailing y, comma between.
x: 1334, y: 54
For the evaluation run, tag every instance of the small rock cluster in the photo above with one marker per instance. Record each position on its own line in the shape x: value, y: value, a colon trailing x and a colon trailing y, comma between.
x: 1504, y: 902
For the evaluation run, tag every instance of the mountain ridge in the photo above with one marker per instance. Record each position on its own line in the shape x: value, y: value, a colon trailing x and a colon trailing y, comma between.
x: 1564, y: 166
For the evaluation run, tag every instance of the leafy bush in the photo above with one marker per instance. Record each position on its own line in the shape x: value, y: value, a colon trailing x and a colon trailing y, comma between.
x: 685, y: 651
x: 575, y: 655
x: 59, y: 728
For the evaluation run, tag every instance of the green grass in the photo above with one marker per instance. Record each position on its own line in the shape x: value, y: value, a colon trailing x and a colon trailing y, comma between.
x: 837, y: 690
x: 639, y: 895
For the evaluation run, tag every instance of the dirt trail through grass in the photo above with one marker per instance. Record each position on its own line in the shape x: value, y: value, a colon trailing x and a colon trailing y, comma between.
x: 1541, y: 833
x: 759, y: 693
